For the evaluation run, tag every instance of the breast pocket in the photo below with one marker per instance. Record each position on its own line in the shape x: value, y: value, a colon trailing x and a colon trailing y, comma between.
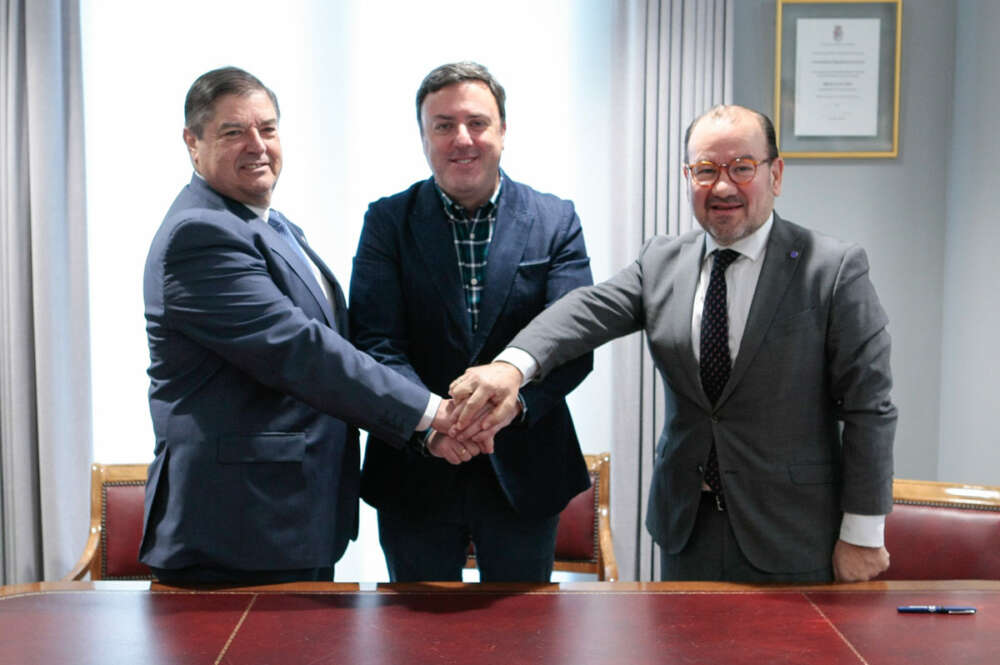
x: 530, y: 286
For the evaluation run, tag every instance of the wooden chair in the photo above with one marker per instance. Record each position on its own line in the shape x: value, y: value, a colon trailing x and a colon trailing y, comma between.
x: 117, y: 494
x: 583, y: 539
x: 943, y: 531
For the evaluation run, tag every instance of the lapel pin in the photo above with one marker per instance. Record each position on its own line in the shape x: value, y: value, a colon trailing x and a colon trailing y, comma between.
x: 794, y: 253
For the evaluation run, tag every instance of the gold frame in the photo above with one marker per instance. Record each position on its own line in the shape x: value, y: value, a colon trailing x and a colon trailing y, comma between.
x: 831, y: 150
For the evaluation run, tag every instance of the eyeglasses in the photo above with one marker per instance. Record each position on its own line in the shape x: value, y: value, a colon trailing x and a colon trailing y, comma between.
x: 741, y: 171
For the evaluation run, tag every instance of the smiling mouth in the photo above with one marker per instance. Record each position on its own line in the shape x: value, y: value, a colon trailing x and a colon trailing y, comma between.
x: 463, y: 161
x: 725, y: 205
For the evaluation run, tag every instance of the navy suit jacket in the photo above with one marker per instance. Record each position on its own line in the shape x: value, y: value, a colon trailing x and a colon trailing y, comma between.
x: 804, y: 427
x: 251, y: 382
x: 408, y: 310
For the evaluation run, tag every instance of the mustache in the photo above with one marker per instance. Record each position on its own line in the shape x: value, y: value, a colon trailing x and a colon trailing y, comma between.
x: 714, y: 200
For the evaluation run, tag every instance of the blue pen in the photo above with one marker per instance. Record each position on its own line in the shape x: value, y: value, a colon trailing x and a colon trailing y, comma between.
x: 935, y: 609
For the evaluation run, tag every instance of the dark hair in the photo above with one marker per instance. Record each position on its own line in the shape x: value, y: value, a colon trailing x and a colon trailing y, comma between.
x: 199, y: 105
x: 457, y: 72
x: 729, y: 111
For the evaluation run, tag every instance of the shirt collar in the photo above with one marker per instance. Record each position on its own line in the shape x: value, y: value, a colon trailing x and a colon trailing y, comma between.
x: 263, y: 213
x: 461, y: 213
x: 751, y: 246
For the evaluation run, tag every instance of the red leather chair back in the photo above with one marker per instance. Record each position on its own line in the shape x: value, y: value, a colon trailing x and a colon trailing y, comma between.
x: 121, y: 531
x: 930, y: 542
x: 576, y: 538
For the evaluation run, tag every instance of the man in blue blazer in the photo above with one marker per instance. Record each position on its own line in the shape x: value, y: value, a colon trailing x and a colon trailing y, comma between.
x: 446, y: 273
x: 255, y: 392
x: 775, y: 461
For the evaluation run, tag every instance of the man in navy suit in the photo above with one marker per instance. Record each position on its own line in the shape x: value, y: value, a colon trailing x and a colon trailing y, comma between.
x: 446, y: 273
x: 255, y: 393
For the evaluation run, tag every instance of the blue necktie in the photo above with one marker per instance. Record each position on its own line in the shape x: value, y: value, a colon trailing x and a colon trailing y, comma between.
x: 715, y: 360
x: 279, y: 225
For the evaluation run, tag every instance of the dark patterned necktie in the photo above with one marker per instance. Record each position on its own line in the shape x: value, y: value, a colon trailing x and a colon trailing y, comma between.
x: 715, y: 360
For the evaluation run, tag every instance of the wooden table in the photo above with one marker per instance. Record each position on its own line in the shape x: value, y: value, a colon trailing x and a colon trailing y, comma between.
x: 574, y: 623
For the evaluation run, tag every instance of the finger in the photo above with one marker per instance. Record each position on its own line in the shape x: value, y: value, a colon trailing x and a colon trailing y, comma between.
x: 486, y: 442
x: 501, y: 414
x: 484, y: 439
x: 477, y: 401
x: 474, y: 427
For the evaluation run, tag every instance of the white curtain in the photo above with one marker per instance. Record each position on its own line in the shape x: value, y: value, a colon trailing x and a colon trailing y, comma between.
x: 676, y: 60
x: 45, y: 411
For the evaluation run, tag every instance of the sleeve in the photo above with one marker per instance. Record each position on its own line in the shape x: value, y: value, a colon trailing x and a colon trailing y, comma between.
x: 858, y: 349
x: 585, y: 319
x: 219, y: 292
x: 377, y: 302
x: 570, y: 269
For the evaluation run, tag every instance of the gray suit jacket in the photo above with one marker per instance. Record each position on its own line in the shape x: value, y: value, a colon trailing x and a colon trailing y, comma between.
x: 804, y: 427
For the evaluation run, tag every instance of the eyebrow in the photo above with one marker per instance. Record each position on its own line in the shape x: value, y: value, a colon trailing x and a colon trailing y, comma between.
x: 743, y: 156
x: 241, y: 125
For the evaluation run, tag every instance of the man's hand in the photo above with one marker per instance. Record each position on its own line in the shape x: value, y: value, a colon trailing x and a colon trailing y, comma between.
x: 487, y: 393
x: 444, y: 419
x: 452, y: 450
x: 853, y: 563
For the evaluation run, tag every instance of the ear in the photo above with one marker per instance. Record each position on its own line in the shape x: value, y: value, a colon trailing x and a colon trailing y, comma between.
x: 503, y: 133
x: 191, y: 141
x: 777, y: 169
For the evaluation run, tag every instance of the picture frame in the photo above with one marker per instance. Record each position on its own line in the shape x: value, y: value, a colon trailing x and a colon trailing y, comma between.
x: 836, y: 81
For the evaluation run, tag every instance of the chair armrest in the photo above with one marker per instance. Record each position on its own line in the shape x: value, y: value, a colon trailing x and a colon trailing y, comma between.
x: 82, y: 567
x: 610, y: 572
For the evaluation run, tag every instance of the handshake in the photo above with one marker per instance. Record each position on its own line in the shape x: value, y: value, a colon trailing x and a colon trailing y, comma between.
x: 483, y: 401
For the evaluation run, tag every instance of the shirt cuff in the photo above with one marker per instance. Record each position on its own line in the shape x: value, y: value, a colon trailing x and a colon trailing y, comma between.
x: 863, y: 530
x: 433, y: 403
x: 520, y: 359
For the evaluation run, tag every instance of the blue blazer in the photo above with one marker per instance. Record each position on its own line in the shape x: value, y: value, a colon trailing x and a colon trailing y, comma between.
x: 408, y: 311
x: 255, y: 394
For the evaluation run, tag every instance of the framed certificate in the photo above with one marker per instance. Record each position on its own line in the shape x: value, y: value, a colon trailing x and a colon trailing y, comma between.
x: 836, y: 82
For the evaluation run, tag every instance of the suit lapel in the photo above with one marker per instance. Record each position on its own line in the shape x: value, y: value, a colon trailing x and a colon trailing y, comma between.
x: 279, y: 246
x: 784, y: 250
x: 339, y: 302
x: 510, y: 237
x: 431, y: 233
x: 685, y: 282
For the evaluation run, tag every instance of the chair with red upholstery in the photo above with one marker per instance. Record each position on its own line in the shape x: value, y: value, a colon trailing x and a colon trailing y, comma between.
x: 583, y: 539
x: 943, y: 531
x: 117, y: 494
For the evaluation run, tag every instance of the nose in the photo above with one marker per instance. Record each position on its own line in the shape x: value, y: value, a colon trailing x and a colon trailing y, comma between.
x: 723, y: 186
x: 255, y: 143
x: 462, y: 136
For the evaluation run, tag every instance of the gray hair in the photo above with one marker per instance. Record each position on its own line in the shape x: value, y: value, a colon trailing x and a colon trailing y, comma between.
x: 199, y: 105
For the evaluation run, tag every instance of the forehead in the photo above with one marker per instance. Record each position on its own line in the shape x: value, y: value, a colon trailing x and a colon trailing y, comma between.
x: 464, y: 97
x: 727, y: 137
x: 255, y: 107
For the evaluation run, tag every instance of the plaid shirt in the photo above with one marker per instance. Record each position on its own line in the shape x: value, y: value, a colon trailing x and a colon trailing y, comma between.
x: 472, y: 236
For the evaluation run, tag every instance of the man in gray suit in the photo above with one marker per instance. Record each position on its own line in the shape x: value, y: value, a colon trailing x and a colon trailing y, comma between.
x: 775, y: 462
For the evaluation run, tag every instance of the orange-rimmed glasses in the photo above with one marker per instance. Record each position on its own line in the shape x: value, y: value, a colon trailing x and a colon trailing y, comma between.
x: 741, y: 171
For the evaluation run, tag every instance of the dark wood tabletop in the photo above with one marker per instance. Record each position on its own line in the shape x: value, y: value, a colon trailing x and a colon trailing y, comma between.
x: 574, y: 623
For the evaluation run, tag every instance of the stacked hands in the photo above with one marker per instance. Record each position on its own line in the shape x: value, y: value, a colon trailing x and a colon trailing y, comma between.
x: 484, y: 401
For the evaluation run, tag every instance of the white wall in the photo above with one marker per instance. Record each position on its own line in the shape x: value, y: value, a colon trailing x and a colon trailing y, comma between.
x: 345, y: 75
x: 970, y: 362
